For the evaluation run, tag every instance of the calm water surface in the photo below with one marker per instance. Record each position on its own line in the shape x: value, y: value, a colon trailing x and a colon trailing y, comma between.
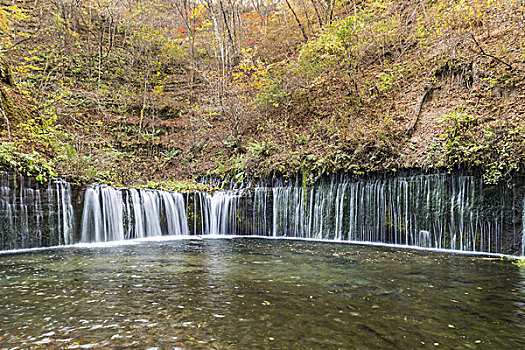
x: 258, y: 294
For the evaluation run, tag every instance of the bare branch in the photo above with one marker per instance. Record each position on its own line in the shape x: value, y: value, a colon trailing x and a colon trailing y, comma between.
x: 483, y: 53
x: 418, y: 108
x: 297, y: 20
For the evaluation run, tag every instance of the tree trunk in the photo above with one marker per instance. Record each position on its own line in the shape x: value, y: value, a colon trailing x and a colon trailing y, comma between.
x: 297, y: 20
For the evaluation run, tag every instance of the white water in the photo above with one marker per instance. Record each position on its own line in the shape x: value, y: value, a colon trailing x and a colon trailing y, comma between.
x: 62, y: 201
x: 218, y: 211
x: 102, y: 218
x: 33, y: 215
x: 431, y: 211
x: 427, y: 211
x: 523, y: 231
x: 114, y: 214
x: 135, y: 241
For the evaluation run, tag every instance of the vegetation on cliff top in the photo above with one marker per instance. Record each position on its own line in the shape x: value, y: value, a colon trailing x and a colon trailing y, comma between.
x: 133, y: 93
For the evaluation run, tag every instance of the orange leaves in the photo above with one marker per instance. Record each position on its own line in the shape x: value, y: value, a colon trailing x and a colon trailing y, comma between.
x: 181, y: 32
x: 254, y: 22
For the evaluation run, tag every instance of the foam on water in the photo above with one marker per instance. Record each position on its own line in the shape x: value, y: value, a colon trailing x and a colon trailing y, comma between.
x: 137, y: 241
x: 111, y: 244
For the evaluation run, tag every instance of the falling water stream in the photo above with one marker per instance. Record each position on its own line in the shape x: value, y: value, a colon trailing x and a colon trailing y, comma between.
x: 434, y: 211
x: 437, y: 211
x: 112, y: 214
x: 34, y: 215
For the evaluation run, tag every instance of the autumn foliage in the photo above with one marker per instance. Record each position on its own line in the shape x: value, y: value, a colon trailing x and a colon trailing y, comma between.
x: 140, y: 90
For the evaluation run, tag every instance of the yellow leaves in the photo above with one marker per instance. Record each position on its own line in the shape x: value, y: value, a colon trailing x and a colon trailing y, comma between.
x: 158, y: 89
x: 206, y: 24
x: 74, y: 34
x: 29, y: 67
x: 250, y: 73
x: 9, y: 16
x: 198, y: 12
x: 462, y: 16
x: 32, y: 58
x: 28, y: 64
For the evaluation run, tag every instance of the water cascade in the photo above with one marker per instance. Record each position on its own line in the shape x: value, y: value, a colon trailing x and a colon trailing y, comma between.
x: 523, y: 229
x: 436, y: 211
x: 218, y: 212
x: 34, y: 215
x: 64, y: 209
x: 112, y: 214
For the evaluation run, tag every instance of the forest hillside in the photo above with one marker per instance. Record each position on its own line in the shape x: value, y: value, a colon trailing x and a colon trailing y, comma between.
x: 151, y: 93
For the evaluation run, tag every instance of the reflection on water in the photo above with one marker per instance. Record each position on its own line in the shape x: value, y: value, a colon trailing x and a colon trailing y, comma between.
x: 248, y: 293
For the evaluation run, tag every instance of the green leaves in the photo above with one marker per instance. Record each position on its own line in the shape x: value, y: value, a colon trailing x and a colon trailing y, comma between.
x: 264, y: 148
x: 30, y: 164
x: 496, y: 148
x: 348, y: 40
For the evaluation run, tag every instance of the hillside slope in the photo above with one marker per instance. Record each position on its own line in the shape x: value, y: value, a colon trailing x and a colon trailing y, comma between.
x: 144, y: 93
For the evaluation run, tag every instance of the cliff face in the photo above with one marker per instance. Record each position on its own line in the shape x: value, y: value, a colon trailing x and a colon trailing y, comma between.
x: 129, y: 94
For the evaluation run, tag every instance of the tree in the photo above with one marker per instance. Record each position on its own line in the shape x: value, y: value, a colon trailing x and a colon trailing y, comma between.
x: 9, y: 17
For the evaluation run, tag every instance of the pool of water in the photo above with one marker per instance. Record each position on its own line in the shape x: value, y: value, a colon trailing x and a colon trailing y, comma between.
x: 258, y: 294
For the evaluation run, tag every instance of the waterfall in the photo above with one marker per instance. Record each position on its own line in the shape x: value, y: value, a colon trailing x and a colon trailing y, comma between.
x: 102, y: 218
x: 112, y: 214
x: 523, y: 231
x: 33, y: 215
x: 218, y: 212
x: 435, y: 211
x: 137, y: 228
x: 408, y: 211
x: 62, y: 190
x: 176, y: 218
